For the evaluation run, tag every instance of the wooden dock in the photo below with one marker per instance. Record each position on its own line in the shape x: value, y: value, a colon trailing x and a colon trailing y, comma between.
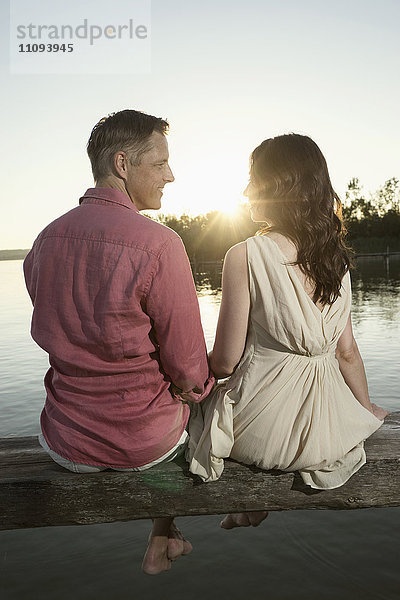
x: 385, y: 255
x: 36, y: 492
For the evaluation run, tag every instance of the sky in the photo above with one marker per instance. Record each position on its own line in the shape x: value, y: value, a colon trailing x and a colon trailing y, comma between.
x: 226, y: 74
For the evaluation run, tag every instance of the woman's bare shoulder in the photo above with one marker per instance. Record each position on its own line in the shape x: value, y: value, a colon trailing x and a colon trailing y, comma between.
x: 237, y: 254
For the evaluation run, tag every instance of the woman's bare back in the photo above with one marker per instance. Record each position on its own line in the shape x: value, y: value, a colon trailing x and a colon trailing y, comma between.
x: 289, y: 250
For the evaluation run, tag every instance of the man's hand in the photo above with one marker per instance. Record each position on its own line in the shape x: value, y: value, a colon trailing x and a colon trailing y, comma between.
x: 182, y: 396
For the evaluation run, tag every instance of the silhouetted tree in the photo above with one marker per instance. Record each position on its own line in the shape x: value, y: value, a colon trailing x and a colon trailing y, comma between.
x: 387, y: 198
x: 373, y: 224
x: 208, y: 237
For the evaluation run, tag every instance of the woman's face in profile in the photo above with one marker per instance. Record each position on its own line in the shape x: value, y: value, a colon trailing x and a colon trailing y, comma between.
x: 256, y: 206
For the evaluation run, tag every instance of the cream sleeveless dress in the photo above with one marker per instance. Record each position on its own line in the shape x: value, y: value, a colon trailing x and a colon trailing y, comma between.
x: 286, y: 406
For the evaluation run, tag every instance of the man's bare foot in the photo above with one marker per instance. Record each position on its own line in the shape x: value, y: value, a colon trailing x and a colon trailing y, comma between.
x: 156, y: 557
x: 177, y: 545
x: 245, y: 519
x: 166, y: 543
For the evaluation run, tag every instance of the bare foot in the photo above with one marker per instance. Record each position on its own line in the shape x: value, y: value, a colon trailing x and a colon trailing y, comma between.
x: 166, y: 543
x: 156, y: 557
x: 245, y: 519
x: 177, y: 545
x: 379, y: 412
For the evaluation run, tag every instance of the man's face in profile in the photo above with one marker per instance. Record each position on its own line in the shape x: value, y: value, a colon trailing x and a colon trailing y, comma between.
x: 145, y: 182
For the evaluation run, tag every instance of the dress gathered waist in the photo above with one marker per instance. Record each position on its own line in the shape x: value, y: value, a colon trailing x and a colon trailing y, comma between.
x: 323, y: 356
x: 281, y: 351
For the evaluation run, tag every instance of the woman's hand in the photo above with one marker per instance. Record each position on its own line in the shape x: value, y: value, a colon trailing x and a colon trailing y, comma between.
x: 188, y: 396
x: 379, y: 412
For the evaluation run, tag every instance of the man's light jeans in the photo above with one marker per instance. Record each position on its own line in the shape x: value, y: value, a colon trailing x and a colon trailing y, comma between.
x: 176, y: 451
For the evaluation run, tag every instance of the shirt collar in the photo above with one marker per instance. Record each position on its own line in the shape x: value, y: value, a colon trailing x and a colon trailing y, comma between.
x: 109, y: 195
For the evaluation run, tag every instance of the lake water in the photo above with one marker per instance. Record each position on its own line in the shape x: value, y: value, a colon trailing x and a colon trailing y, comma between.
x: 299, y: 555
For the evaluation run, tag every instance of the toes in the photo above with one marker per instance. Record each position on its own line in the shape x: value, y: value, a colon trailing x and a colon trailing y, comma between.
x: 227, y: 522
x: 187, y: 547
x: 235, y: 520
x: 242, y: 520
x: 175, y: 548
x: 246, y: 519
x: 257, y: 517
x: 177, y: 545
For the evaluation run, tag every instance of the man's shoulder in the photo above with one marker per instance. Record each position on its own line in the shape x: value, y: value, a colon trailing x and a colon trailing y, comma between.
x: 56, y: 226
x: 108, y: 225
x: 156, y: 233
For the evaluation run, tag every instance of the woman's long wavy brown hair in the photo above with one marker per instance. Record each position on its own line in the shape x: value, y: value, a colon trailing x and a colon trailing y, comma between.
x: 293, y: 190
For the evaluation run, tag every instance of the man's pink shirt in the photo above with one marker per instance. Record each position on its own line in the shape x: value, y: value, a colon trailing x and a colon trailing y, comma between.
x: 116, y: 309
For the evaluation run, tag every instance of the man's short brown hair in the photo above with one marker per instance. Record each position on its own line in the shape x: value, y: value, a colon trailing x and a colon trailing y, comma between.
x: 127, y: 131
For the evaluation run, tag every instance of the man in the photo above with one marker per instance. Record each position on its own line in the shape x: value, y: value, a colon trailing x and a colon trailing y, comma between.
x: 115, y: 308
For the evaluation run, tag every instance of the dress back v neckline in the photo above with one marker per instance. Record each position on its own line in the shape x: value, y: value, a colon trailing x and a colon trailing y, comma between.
x: 288, y: 264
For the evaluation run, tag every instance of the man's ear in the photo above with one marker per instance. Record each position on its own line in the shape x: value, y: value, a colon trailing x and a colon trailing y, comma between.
x: 121, y: 165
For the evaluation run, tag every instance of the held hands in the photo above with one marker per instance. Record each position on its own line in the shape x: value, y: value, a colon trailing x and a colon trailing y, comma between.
x: 380, y: 413
x: 184, y: 397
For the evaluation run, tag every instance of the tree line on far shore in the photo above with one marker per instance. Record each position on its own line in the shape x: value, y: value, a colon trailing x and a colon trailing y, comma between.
x: 373, y: 224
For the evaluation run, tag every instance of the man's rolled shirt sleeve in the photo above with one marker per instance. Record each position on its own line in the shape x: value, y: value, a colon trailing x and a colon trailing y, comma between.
x: 174, y: 309
x: 28, y: 269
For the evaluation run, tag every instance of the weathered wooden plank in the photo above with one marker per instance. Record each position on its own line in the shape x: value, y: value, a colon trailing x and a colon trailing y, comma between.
x: 36, y: 492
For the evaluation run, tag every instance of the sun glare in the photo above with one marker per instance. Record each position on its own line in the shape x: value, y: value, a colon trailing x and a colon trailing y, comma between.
x: 230, y: 209
x: 219, y: 187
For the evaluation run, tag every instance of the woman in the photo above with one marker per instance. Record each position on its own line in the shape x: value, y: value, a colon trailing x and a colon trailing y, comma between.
x: 296, y: 397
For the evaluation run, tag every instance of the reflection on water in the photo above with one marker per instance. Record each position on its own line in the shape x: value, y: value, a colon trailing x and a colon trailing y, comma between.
x: 209, y: 279
x: 299, y: 555
x: 376, y: 319
x: 376, y: 286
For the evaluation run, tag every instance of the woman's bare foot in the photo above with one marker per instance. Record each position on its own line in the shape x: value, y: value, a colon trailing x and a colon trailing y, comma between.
x: 177, y: 545
x: 245, y: 519
x: 379, y: 412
